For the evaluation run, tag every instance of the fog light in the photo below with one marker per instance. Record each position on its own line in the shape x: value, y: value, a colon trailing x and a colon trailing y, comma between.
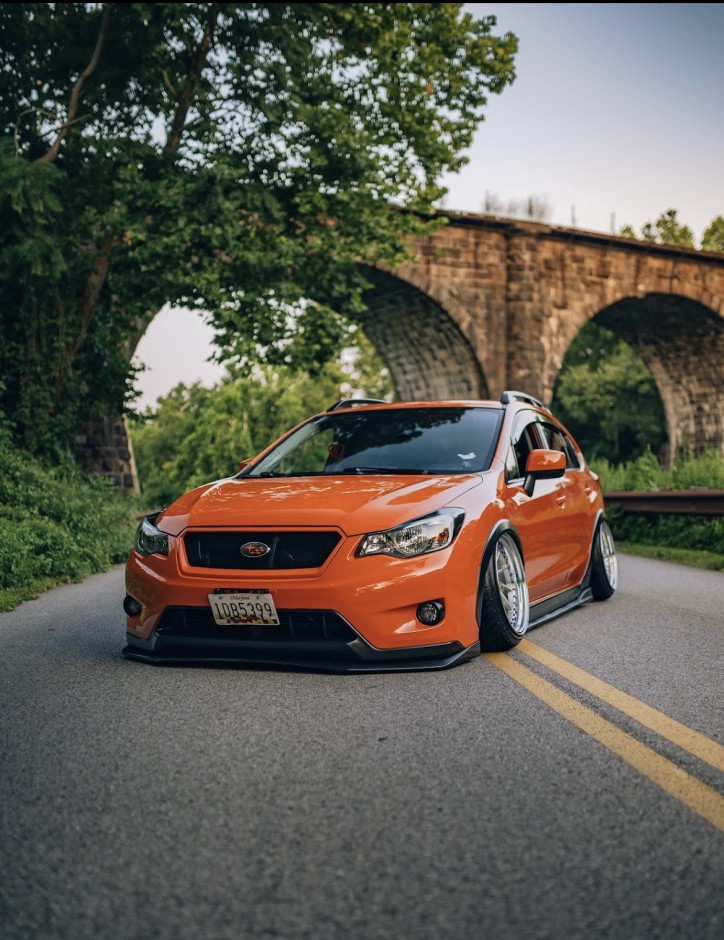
x: 430, y: 613
x: 131, y: 606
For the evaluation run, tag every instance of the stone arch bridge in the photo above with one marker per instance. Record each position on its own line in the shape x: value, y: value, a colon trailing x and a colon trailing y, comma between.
x: 490, y: 304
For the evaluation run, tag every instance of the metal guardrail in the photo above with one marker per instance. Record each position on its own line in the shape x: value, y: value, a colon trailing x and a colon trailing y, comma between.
x: 679, y: 502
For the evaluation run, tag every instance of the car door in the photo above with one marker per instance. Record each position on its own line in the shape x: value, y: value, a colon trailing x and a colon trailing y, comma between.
x: 540, y: 518
x: 575, y: 501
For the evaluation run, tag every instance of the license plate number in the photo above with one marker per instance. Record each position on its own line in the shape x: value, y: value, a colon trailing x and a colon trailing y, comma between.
x: 239, y: 607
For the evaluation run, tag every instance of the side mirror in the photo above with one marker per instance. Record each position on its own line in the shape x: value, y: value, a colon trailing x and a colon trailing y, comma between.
x: 243, y: 464
x: 543, y: 465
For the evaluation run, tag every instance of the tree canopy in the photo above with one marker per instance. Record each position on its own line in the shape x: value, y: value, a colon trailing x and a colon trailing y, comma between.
x: 666, y: 230
x: 197, y: 434
x: 238, y: 158
x: 608, y: 398
x: 713, y: 237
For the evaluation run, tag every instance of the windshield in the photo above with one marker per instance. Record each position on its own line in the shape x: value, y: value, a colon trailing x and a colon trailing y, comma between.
x: 405, y: 440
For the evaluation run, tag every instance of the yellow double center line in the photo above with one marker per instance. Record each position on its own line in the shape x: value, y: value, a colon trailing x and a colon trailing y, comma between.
x: 687, y: 789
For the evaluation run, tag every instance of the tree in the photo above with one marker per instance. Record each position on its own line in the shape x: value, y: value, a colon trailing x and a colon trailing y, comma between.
x: 199, y: 434
x: 713, y: 237
x: 237, y: 158
x: 535, y: 208
x: 666, y: 230
x: 608, y: 398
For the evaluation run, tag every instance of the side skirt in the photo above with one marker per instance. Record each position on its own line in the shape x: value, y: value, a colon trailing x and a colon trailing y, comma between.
x: 551, y: 607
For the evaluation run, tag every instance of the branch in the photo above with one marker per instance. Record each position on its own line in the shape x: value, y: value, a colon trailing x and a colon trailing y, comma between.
x: 94, y: 286
x: 66, y: 126
x: 16, y: 134
x: 196, y: 64
x: 50, y: 156
x: 167, y: 82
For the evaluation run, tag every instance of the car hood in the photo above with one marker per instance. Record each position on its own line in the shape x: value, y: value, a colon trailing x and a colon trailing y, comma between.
x: 353, y: 504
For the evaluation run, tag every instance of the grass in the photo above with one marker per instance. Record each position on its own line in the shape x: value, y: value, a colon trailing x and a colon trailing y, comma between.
x: 12, y: 597
x: 695, y: 558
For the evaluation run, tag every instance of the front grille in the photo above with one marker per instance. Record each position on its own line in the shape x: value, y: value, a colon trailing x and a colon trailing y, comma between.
x: 296, y: 626
x: 288, y: 549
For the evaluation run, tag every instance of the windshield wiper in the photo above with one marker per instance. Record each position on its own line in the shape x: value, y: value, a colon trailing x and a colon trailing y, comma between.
x: 408, y: 470
x: 290, y: 473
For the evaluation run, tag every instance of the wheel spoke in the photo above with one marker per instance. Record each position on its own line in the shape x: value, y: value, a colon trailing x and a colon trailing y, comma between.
x: 608, y: 554
x: 511, y: 583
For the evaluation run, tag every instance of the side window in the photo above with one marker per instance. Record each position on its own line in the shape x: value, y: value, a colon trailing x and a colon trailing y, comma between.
x: 511, y: 466
x: 523, y: 441
x: 558, y: 440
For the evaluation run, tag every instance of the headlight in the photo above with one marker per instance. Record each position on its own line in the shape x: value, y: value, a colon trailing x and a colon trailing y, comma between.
x: 419, y: 537
x: 149, y: 539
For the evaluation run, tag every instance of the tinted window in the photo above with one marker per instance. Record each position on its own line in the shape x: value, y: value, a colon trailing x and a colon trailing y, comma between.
x: 557, y: 440
x: 430, y: 440
x: 524, y: 441
x: 511, y: 465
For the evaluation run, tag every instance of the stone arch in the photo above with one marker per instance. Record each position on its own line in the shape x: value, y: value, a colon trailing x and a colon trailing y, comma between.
x: 488, y: 304
x: 681, y: 341
x: 423, y: 347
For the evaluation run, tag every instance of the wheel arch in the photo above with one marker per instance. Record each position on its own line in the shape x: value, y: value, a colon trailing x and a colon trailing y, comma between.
x: 601, y: 514
x: 502, y: 526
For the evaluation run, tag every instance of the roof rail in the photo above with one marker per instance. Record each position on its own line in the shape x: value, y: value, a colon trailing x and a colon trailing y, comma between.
x: 510, y: 396
x: 353, y: 402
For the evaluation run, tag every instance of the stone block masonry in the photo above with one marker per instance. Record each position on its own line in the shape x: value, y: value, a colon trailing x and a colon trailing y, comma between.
x: 490, y: 304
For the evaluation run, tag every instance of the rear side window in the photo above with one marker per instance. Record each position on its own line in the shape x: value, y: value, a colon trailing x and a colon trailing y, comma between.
x: 523, y: 441
x: 557, y: 439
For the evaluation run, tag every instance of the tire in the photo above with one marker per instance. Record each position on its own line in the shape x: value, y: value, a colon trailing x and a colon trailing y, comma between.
x: 505, y: 609
x: 604, y: 566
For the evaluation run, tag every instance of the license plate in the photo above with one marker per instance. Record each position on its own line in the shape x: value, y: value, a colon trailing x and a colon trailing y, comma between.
x: 239, y: 607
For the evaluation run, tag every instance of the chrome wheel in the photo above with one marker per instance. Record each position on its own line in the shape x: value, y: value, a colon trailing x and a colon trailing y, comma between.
x: 511, y: 584
x: 608, y: 553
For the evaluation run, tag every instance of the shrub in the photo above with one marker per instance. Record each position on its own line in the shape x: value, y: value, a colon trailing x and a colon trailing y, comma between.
x: 705, y: 533
x: 57, y: 523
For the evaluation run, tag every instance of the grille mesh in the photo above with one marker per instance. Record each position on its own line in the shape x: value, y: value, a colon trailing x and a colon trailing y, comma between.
x: 288, y: 549
x: 296, y: 626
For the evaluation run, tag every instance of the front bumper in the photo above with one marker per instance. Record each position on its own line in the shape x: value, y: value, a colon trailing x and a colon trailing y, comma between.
x: 369, y: 621
x: 312, y: 639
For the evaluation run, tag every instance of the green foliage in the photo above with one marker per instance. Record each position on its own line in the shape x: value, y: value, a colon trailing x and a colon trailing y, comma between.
x: 675, y: 531
x: 705, y: 471
x: 49, y: 362
x: 237, y: 158
x: 667, y: 230
x: 696, y: 558
x: 57, y: 524
x: 701, y: 533
x: 199, y: 434
x: 713, y: 237
x: 642, y: 473
x: 607, y: 397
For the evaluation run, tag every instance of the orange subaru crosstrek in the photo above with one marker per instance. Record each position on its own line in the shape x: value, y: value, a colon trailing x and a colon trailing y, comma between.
x: 376, y: 536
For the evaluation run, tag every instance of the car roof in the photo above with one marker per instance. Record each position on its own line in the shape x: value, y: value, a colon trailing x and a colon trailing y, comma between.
x: 506, y: 399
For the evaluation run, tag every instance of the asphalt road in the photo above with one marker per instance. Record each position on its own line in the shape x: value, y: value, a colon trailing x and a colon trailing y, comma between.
x: 505, y: 798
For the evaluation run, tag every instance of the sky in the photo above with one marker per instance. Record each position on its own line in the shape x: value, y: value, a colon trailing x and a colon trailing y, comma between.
x: 615, y: 116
